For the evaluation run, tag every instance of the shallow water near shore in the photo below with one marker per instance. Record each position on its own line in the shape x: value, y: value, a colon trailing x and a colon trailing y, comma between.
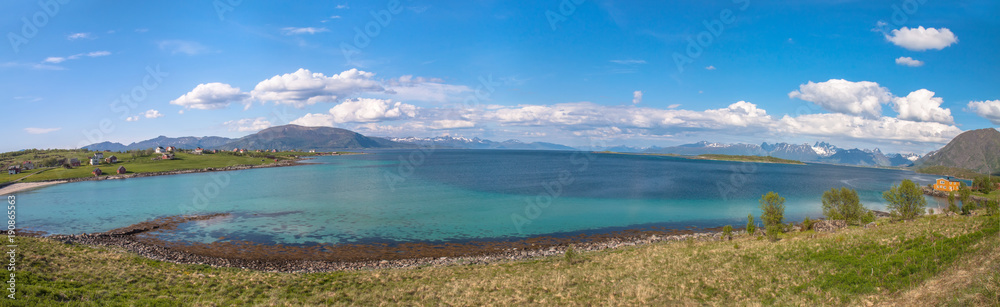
x: 449, y: 196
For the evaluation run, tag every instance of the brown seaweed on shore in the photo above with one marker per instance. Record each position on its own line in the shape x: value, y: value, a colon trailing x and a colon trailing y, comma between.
x: 141, y: 238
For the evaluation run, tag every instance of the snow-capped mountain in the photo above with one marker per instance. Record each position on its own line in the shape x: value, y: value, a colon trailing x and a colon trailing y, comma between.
x: 824, y: 149
x: 819, y: 152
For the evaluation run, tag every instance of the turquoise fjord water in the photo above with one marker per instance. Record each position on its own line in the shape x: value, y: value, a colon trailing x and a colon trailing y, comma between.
x: 449, y: 195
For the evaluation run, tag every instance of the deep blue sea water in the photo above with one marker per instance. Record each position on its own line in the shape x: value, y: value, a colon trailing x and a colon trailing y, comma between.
x: 450, y: 195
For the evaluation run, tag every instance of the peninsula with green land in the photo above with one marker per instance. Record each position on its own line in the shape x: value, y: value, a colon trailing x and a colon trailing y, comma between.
x: 716, y: 157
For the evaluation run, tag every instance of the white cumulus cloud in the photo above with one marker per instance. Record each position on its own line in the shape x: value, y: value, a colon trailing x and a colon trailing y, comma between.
x: 152, y: 114
x: 248, y: 124
x: 920, y: 39
x: 908, y: 61
x: 208, y: 96
x: 989, y: 109
x: 922, y: 106
x: 304, y: 87
x: 361, y: 110
x: 636, y: 97
x: 863, y: 98
x: 836, y: 125
x: 424, y: 89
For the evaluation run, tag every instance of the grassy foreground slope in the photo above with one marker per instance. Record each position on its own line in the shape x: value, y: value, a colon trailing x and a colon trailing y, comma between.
x: 855, y: 266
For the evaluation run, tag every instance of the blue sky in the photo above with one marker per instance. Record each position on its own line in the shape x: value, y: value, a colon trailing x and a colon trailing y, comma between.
x: 901, y: 75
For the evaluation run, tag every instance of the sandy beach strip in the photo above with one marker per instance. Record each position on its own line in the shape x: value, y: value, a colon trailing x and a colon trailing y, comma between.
x: 21, y: 186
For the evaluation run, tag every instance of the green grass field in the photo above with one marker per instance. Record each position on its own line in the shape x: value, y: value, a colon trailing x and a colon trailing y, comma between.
x: 932, y: 261
x: 145, y: 164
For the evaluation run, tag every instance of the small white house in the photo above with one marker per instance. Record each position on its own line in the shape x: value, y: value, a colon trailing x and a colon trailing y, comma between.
x: 159, y: 150
x: 95, y: 161
x: 99, y: 155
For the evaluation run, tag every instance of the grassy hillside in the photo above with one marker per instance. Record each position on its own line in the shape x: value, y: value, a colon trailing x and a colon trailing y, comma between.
x: 901, y: 263
x: 145, y: 163
x: 975, y: 150
x: 949, y: 171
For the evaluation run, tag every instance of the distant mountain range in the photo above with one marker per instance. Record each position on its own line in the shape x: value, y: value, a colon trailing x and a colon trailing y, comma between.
x: 477, y: 143
x: 975, y: 150
x: 208, y: 142
x: 820, y: 152
x: 289, y: 137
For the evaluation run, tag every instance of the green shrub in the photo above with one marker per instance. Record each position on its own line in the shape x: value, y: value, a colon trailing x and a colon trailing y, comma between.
x: 843, y: 204
x: 964, y: 193
x: 951, y: 202
x: 773, y: 210
x: 993, y: 207
x: 773, y: 231
x: 807, y: 224
x: 571, y: 255
x: 751, y: 226
x: 727, y: 232
x: 985, y: 184
x: 906, y: 201
x: 868, y: 217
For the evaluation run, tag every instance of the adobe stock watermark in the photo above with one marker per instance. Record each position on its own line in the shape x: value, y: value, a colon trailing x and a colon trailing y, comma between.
x: 551, y: 190
x: 203, y: 196
x: 364, y: 35
x: 225, y: 6
x: 900, y: 15
x: 125, y: 105
x: 48, y: 9
x: 741, y: 172
x: 713, y: 30
x: 562, y: 12
x: 409, y: 164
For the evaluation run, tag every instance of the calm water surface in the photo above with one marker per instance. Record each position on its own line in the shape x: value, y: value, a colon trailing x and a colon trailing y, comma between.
x: 450, y: 195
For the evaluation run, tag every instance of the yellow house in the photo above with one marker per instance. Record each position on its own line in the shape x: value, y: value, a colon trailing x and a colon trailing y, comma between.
x: 946, y: 185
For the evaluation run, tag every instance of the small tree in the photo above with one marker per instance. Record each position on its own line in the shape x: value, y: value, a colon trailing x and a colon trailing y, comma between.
x: 843, y: 204
x: 965, y: 193
x: 906, y: 201
x: 951, y: 202
x: 985, y: 184
x: 807, y: 224
x: 727, y: 232
x: 993, y: 206
x: 751, y: 226
x: 773, y: 210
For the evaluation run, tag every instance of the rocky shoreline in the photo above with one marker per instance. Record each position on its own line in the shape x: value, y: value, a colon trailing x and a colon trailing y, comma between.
x: 943, y: 194
x: 141, y: 239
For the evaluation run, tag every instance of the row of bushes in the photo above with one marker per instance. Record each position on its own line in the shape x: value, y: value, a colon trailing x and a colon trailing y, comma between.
x: 906, y: 201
